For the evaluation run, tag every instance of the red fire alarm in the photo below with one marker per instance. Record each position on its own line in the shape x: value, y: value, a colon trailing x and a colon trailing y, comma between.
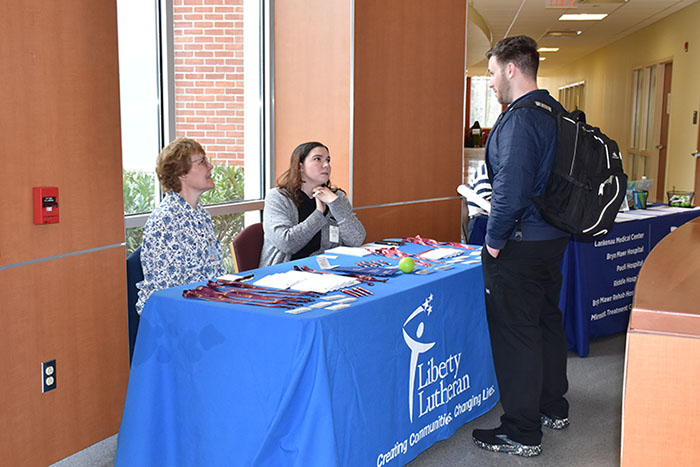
x: 45, y: 205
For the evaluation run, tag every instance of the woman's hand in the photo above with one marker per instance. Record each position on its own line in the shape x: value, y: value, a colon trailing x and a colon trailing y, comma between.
x: 323, y: 195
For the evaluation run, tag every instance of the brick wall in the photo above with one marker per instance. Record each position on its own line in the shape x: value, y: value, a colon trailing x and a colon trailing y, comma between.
x: 208, y: 43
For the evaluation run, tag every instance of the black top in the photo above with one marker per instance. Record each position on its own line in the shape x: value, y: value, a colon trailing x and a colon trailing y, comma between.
x: 306, y: 208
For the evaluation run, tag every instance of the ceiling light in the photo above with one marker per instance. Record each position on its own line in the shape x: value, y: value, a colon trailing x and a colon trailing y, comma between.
x: 542, y: 59
x: 548, y: 49
x: 583, y: 17
x: 563, y: 33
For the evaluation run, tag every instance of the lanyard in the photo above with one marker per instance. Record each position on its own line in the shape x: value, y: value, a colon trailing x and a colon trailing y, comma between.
x: 248, y: 294
x: 434, y: 243
x: 395, y: 253
x: 369, y: 280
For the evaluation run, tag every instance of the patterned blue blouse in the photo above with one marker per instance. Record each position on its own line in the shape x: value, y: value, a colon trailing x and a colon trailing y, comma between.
x: 179, y: 247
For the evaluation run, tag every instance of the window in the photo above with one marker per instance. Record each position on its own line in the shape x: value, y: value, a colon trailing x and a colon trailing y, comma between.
x: 140, y: 125
x: 483, y: 105
x: 571, y: 96
x: 195, y: 71
x: 643, y: 89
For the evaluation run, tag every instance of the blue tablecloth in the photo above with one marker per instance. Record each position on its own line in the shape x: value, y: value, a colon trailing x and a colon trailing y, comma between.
x: 216, y: 384
x: 599, y: 275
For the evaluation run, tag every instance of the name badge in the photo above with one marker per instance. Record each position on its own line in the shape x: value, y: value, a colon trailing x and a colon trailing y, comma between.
x: 334, y: 234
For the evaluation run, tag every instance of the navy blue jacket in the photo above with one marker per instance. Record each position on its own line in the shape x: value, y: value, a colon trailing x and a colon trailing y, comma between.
x: 519, y: 153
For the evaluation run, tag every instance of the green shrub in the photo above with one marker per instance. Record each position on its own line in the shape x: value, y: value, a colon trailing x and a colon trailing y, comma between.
x: 134, y: 237
x: 229, y: 185
x: 139, y: 192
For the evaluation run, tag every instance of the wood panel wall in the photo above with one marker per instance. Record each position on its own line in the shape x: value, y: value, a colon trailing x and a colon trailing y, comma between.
x: 404, y: 110
x: 60, y: 122
x: 661, y: 397
x: 312, y: 81
x: 662, y: 360
x: 429, y: 220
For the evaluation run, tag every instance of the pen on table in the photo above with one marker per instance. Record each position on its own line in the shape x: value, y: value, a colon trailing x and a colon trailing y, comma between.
x: 367, y: 292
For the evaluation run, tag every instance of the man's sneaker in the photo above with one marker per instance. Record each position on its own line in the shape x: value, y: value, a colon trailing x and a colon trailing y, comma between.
x: 494, y: 440
x: 554, y: 423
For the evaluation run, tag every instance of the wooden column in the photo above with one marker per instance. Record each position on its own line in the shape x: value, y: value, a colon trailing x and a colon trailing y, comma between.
x: 383, y: 85
x: 661, y: 410
x: 63, y: 285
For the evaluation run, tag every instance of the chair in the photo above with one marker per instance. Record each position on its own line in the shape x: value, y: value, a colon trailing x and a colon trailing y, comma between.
x: 134, y: 274
x: 246, y: 248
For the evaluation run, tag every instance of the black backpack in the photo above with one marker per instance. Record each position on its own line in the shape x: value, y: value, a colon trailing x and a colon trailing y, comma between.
x: 587, y: 184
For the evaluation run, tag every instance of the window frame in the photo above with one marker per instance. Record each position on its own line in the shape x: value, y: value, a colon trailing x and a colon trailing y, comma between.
x: 642, y: 125
x: 489, y: 98
x: 166, y: 105
x: 572, y: 96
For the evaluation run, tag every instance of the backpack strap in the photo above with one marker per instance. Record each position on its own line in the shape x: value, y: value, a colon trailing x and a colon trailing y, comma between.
x: 533, y: 104
x: 549, y: 110
x: 577, y: 115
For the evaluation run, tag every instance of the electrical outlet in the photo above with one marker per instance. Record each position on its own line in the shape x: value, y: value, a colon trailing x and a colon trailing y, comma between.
x: 48, y: 375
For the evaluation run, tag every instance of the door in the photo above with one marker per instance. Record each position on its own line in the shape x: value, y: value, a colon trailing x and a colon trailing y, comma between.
x: 663, y: 133
x: 697, y: 166
x: 649, y: 129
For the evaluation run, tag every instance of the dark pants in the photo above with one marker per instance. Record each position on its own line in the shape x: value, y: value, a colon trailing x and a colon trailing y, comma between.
x: 528, y: 342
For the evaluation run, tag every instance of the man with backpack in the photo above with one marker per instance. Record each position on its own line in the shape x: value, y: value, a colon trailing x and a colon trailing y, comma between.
x: 521, y: 258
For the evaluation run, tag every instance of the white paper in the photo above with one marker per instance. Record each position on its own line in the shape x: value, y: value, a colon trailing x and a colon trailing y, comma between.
x: 307, y: 281
x: 349, y: 251
x: 633, y: 215
x: 323, y: 283
x: 332, y: 297
x: 346, y: 300
x: 230, y: 277
x: 440, y: 253
x: 282, y: 280
x: 671, y: 209
x: 323, y: 262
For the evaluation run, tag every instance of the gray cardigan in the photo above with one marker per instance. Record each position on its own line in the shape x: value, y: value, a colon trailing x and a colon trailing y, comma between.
x: 284, y: 235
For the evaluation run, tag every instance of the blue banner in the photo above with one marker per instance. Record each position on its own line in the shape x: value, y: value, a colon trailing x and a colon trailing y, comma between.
x: 600, y: 275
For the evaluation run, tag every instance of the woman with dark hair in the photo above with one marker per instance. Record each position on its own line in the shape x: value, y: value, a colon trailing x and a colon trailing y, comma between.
x: 305, y: 215
x: 179, y: 245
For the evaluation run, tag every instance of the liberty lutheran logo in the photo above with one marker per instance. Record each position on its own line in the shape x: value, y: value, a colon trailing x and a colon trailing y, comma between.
x: 433, y: 382
x: 417, y: 347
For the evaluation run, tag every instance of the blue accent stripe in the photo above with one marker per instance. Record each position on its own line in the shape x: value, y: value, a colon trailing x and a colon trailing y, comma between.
x: 402, y: 203
x: 64, y: 255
